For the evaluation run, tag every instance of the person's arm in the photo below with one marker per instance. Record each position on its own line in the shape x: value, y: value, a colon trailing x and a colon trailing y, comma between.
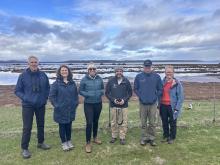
x: 47, y: 86
x: 76, y: 94
x: 19, y: 88
x: 180, y: 97
x: 159, y: 89
x: 53, y: 94
x: 102, y: 88
x: 136, y: 86
x: 107, y: 91
x: 129, y: 91
x: 82, y: 90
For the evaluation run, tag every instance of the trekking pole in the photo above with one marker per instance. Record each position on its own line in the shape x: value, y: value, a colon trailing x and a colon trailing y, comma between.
x: 109, y: 116
x: 214, y: 113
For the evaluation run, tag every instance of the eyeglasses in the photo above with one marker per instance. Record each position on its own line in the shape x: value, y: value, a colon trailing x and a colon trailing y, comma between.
x: 92, y: 69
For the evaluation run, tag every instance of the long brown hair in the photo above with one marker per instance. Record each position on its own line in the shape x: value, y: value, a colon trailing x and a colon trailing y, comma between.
x: 59, y: 76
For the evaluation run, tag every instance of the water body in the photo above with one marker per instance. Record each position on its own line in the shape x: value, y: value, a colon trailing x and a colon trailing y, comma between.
x: 10, y: 78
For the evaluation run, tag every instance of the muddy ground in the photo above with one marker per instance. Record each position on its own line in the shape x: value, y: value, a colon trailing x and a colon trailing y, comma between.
x: 193, y: 91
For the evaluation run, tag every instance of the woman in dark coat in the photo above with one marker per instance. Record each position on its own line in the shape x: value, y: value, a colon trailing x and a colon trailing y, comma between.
x: 64, y: 98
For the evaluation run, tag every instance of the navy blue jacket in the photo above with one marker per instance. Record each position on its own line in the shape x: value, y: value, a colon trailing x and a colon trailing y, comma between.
x: 148, y: 87
x: 118, y: 91
x: 32, y: 88
x: 92, y: 89
x: 64, y: 98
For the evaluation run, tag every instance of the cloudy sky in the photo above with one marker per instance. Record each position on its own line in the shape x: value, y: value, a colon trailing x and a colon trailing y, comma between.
x: 57, y: 30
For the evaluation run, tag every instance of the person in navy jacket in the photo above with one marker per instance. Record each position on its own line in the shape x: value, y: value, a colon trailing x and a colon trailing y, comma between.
x: 148, y: 87
x: 64, y: 98
x: 33, y: 89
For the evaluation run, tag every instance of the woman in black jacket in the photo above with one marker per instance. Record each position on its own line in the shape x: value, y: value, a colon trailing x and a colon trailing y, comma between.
x: 64, y: 98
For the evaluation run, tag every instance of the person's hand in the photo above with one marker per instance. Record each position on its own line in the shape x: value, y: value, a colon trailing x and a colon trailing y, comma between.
x: 122, y: 102
x: 175, y: 114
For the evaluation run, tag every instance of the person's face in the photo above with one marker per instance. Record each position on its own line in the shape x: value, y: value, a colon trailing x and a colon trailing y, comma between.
x: 119, y: 73
x: 33, y: 64
x: 147, y: 69
x: 169, y: 73
x: 64, y: 72
x: 92, y: 71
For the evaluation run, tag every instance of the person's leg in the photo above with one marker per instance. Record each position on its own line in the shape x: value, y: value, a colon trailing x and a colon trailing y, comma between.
x: 143, y: 117
x: 27, y: 117
x: 114, y: 125
x: 62, y: 133
x: 123, y: 128
x: 68, y: 128
x: 151, y: 114
x: 40, y: 116
x: 88, y: 110
x: 97, y: 111
x: 164, y: 117
x: 172, y: 124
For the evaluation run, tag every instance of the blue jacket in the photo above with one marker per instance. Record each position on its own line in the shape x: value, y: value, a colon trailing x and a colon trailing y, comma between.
x: 32, y: 88
x: 148, y: 87
x: 92, y: 89
x: 64, y: 98
x: 176, y: 97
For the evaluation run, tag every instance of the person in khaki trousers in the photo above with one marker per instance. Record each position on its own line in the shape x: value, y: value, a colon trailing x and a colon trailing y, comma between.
x: 148, y: 88
x: 119, y: 91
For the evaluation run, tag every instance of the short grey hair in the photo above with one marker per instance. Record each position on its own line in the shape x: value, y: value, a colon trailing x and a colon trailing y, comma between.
x: 169, y: 67
x: 30, y: 57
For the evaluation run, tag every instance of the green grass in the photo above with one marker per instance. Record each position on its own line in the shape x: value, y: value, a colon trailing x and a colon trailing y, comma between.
x: 198, y: 140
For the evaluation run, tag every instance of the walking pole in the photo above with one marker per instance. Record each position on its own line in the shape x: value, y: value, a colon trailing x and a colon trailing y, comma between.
x: 109, y: 116
x: 214, y: 102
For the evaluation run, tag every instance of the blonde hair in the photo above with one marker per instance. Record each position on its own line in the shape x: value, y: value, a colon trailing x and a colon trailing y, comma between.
x: 169, y: 67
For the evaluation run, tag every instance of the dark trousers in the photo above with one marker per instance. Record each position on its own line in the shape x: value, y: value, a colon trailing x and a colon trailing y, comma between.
x: 169, y: 124
x: 65, y: 131
x: 27, y: 116
x: 92, y: 112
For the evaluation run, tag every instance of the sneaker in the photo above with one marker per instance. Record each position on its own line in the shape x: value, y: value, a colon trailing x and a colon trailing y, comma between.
x: 170, y: 141
x: 70, y: 145
x: 26, y: 154
x: 65, y: 146
x: 97, y: 141
x: 43, y: 146
x: 88, y: 148
x: 152, y: 143
x: 143, y: 142
x: 113, y: 140
x: 122, y: 141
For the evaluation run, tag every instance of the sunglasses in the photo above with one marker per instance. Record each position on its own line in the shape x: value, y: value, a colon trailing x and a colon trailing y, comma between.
x: 92, y: 68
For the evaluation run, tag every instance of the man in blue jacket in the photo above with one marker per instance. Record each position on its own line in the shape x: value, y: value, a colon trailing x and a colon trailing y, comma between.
x: 33, y: 89
x: 148, y: 88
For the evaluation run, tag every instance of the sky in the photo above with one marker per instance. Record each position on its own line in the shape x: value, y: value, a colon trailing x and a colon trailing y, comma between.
x: 57, y: 30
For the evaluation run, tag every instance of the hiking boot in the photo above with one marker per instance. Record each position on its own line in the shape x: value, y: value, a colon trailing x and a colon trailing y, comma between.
x: 122, y: 141
x: 88, y: 148
x: 143, y: 142
x: 70, y: 145
x: 97, y: 141
x: 26, y: 154
x: 170, y: 141
x: 65, y: 146
x: 152, y: 143
x: 113, y: 140
x: 43, y: 146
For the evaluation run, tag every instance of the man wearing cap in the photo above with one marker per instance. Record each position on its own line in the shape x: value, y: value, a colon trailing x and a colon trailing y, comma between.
x: 118, y: 91
x: 148, y: 87
x: 92, y: 89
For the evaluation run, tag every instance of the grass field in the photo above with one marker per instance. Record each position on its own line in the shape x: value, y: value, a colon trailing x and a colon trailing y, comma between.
x: 198, y: 140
